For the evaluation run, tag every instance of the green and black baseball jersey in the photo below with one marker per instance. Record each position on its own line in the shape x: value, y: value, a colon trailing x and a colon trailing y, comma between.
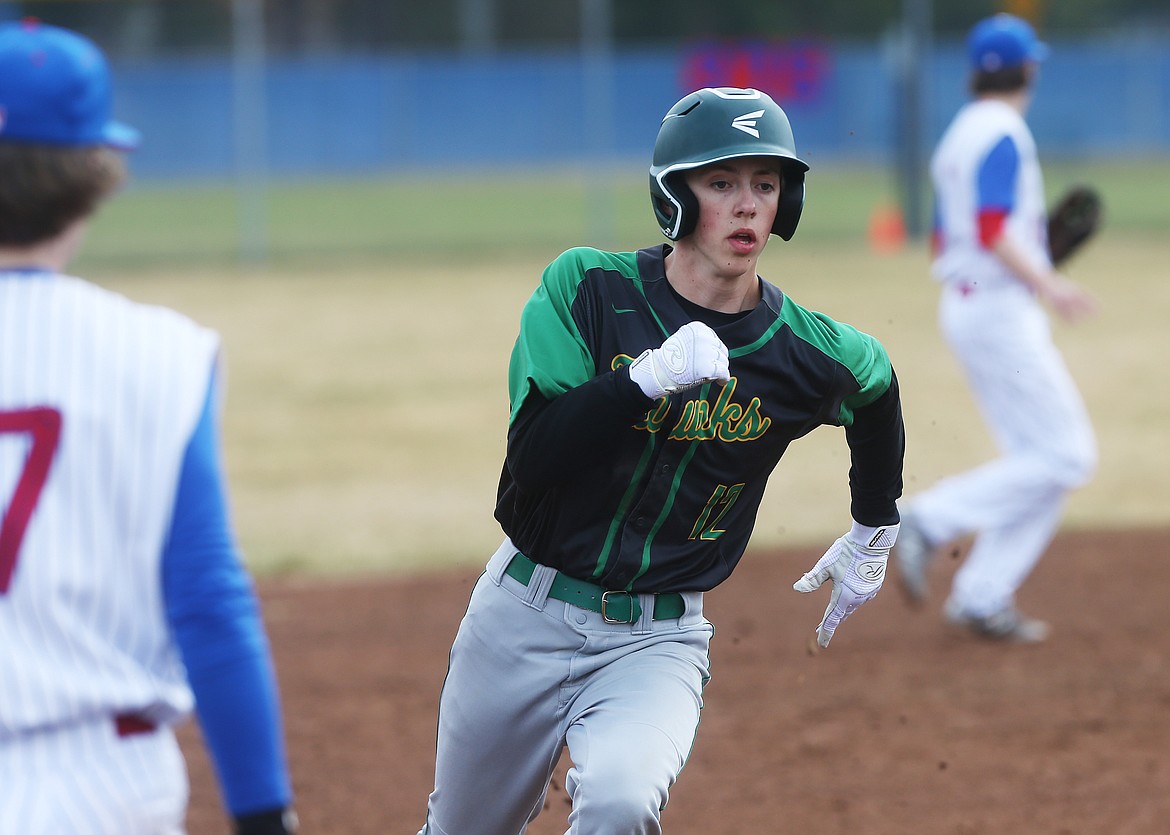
x: 656, y: 496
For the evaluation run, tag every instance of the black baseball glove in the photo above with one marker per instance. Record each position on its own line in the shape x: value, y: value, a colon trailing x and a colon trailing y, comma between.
x: 1072, y: 220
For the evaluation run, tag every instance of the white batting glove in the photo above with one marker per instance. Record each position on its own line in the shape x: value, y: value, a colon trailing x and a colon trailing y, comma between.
x: 856, y: 563
x: 689, y: 357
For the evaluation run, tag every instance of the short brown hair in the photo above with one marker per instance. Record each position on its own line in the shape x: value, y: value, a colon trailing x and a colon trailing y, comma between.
x: 45, y: 188
x: 1006, y: 80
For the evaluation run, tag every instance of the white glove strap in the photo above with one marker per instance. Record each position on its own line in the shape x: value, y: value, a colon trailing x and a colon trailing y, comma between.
x: 873, y: 539
x: 642, y: 373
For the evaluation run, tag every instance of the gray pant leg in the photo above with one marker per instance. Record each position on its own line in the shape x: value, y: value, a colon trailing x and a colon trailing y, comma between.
x: 498, y: 739
x: 633, y: 732
x: 528, y: 672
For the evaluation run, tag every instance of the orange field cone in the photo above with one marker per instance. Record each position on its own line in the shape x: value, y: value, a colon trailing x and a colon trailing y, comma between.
x: 887, y: 231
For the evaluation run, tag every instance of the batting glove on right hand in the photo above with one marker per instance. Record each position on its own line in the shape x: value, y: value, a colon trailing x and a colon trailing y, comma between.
x: 856, y: 563
x: 689, y: 357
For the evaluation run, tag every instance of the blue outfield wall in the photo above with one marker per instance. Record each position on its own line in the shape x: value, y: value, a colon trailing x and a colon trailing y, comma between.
x: 387, y: 113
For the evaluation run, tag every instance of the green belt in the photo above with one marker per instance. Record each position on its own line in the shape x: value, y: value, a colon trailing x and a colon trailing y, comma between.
x: 614, y: 606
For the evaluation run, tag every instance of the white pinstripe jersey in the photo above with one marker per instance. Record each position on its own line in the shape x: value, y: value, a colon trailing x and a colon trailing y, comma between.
x: 83, y: 632
x: 976, y: 129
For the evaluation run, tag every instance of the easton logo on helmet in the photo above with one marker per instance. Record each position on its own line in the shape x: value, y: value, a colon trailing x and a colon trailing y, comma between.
x: 747, y: 122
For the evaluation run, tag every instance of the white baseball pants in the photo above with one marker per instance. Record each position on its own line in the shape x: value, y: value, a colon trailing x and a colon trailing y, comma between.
x: 84, y: 779
x: 1031, y: 405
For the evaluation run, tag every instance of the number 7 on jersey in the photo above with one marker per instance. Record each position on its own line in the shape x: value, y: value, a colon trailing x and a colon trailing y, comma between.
x: 43, y: 425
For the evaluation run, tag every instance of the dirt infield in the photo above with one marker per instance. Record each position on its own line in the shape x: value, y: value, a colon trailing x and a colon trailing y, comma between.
x: 902, y: 726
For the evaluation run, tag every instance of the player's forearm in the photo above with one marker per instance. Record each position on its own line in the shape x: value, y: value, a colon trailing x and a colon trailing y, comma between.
x: 877, y: 444
x: 1062, y: 295
x: 551, y: 440
x: 1038, y: 277
x: 239, y: 715
x: 216, y: 620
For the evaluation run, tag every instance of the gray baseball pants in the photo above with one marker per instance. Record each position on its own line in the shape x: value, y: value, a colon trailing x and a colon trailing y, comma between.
x: 530, y: 675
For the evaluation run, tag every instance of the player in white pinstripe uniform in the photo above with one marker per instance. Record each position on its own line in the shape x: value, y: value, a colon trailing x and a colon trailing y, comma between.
x: 991, y: 256
x: 123, y: 601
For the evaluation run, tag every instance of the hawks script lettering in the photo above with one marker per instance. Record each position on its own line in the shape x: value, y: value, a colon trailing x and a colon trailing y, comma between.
x: 700, y: 420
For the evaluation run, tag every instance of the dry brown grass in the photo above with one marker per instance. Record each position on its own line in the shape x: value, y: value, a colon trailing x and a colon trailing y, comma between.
x: 366, y: 406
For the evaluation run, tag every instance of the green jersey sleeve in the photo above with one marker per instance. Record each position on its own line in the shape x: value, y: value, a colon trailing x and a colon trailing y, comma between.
x: 551, y: 353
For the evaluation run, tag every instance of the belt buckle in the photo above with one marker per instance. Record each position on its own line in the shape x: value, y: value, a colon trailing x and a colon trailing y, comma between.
x: 605, y: 605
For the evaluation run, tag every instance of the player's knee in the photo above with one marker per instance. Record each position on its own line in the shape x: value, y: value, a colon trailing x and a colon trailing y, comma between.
x: 1084, y: 468
x: 1062, y: 462
x: 624, y: 800
x: 1074, y: 466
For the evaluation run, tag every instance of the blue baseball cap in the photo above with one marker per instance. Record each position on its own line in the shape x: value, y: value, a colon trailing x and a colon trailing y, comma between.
x: 1002, y: 41
x: 55, y: 89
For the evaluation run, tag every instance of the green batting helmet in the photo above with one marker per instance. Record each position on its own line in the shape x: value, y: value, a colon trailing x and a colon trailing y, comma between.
x: 714, y: 124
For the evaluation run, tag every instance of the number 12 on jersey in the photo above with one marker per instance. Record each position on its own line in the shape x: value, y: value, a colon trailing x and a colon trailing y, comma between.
x: 714, y: 511
x: 43, y: 425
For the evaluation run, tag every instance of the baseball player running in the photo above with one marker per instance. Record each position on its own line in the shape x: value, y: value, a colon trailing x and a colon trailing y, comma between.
x: 652, y: 394
x: 992, y: 258
x: 123, y: 601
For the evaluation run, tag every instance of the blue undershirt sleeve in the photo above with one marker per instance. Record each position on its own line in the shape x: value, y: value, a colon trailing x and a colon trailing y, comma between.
x: 215, y: 616
x: 997, y: 177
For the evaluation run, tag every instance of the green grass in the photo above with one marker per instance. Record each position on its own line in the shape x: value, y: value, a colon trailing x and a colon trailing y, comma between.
x: 470, y: 216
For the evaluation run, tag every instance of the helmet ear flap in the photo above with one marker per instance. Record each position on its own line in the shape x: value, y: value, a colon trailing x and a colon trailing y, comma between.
x: 790, y: 205
x: 689, y: 206
x: 675, y: 205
